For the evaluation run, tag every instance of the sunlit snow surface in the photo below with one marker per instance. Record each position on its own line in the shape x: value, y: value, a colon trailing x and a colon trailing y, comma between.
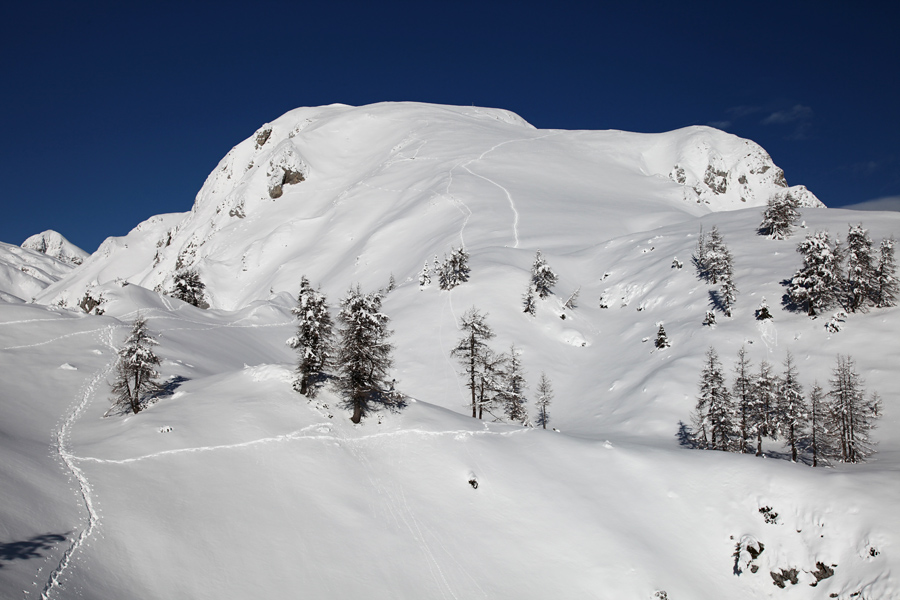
x: 234, y: 486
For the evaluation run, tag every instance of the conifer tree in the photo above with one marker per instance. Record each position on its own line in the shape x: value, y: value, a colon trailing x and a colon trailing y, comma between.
x: 745, y: 402
x: 189, y: 288
x: 718, y: 258
x: 849, y: 417
x: 474, y: 354
x: 818, y: 437
x: 425, y: 276
x: 728, y: 293
x: 512, y: 394
x: 765, y: 387
x: 884, y: 281
x: 713, y: 416
x: 792, y: 411
x: 543, y: 278
x: 529, y: 306
x: 364, y: 355
x: 544, y: 397
x: 762, y: 312
x: 489, y: 381
x: 699, y: 256
x: 136, y: 373
x: 710, y: 318
x: 813, y: 285
x: 662, y: 341
x: 780, y: 216
x: 860, y: 270
x: 313, y: 340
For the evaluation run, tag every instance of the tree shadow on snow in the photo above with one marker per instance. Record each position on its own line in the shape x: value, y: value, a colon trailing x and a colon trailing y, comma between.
x: 715, y: 301
x: 686, y: 436
x: 28, y: 549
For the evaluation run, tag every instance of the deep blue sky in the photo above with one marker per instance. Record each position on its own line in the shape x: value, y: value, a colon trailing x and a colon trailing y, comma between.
x: 113, y: 112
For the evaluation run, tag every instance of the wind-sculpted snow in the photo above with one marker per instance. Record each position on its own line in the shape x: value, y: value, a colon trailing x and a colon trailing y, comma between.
x: 24, y: 273
x: 332, y: 191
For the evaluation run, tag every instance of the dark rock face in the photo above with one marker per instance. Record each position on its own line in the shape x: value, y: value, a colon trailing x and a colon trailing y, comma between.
x: 779, y: 578
x: 289, y: 178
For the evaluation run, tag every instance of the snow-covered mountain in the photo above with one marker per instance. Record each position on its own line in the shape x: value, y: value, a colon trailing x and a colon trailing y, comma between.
x: 54, y: 244
x: 232, y: 485
x: 349, y: 185
x: 25, y: 272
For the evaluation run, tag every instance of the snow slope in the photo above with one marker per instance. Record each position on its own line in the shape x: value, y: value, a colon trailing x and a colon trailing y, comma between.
x: 233, y: 486
x: 24, y: 273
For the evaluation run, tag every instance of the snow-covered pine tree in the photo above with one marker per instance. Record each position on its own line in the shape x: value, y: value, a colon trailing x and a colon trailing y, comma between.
x: 699, y: 256
x: 136, y: 374
x: 364, y: 355
x: 714, y: 414
x: 189, y: 288
x: 544, y: 397
x: 425, y: 276
x: 528, y: 304
x: 662, y: 341
x: 762, y: 311
x: 473, y: 352
x: 710, y: 318
x: 512, y: 394
x: 717, y: 257
x: 884, y: 281
x: 728, y: 293
x: 313, y: 340
x: 860, y: 269
x: 818, y: 437
x: 849, y: 417
x: 780, y: 216
x: 460, y: 262
x: 765, y: 386
x: 543, y: 278
x: 445, y: 274
x: 744, y: 398
x: 489, y: 381
x: 791, y: 409
x: 813, y: 285
x: 572, y: 301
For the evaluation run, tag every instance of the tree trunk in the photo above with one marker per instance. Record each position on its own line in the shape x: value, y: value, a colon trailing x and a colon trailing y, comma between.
x: 357, y: 412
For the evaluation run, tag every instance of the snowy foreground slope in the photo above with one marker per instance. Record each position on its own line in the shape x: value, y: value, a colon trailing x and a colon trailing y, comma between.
x: 234, y: 486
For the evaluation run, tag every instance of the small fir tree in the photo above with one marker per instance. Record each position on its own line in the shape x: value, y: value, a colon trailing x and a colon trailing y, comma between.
x: 528, y: 304
x: 710, y: 319
x: 364, y: 355
x: 425, y: 276
x: 662, y: 341
x: 189, y: 288
x: 543, y: 278
x: 544, y: 397
x: 313, y: 340
x: 744, y: 402
x: 818, y: 436
x: 512, y: 395
x: 860, y: 269
x: 884, y: 281
x: 791, y: 408
x: 765, y: 387
x: 780, y: 216
x: 762, y: 312
x: 136, y: 373
x: 813, y: 285
x: 713, y: 415
x: 717, y: 257
x: 728, y: 293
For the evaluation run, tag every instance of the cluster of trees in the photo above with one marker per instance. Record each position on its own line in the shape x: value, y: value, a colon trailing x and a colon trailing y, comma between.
x: 450, y: 273
x: 496, y: 381
x: 855, y: 277
x: 715, y: 265
x: 832, y: 425
x: 360, y: 357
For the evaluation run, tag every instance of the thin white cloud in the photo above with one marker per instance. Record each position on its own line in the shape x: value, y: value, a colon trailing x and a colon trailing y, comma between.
x: 797, y: 113
x: 886, y: 203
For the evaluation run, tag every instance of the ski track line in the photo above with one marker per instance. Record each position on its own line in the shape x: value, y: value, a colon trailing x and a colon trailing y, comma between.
x: 62, y: 448
x: 294, y: 435
x: 62, y: 337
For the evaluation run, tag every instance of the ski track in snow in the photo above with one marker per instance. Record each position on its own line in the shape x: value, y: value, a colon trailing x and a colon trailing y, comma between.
x: 62, y: 449
x: 300, y: 434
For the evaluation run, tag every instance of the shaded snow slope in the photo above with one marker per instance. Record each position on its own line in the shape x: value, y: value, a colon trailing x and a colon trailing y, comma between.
x: 54, y: 244
x: 335, y: 191
x: 25, y: 273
